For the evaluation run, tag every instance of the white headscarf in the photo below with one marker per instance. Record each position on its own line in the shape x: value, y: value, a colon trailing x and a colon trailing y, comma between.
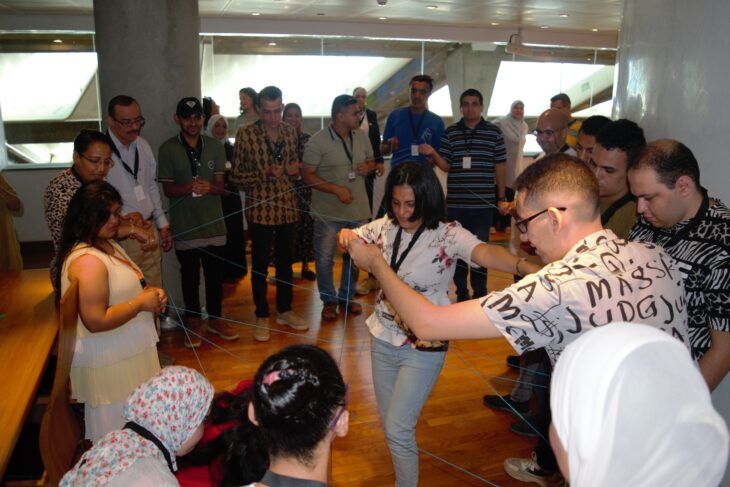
x: 631, y: 409
x: 171, y: 405
x: 513, y: 129
x: 211, y: 122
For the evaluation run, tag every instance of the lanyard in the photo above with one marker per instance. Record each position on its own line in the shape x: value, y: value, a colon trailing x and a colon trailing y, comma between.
x: 395, y: 265
x: 344, y: 145
x: 148, y: 435
x: 416, y: 130
x: 129, y: 264
x: 691, y: 225
x: 467, y: 140
x: 126, y: 167
x: 276, y: 148
x: 614, y: 207
x: 193, y: 153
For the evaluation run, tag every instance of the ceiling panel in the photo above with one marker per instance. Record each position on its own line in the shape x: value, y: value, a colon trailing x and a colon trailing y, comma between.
x: 583, y: 15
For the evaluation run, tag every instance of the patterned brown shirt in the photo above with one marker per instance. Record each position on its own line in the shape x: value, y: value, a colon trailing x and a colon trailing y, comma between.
x: 56, y: 199
x: 269, y: 200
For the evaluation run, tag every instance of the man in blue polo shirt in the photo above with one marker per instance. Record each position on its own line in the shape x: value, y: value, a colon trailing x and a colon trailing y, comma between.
x: 407, y: 128
x: 472, y: 153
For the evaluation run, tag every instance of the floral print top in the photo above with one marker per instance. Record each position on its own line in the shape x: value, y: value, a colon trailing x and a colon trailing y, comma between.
x: 171, y: 405
x: 428, y: 268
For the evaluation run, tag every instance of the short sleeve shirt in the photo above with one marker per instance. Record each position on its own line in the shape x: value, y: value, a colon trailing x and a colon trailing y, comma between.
x: 193, y: 218
x: 704, y: 260
x: 473, y: 186
x: 412, y: 128
x: 325, y: 151
x: 428, y: 268
x: 602, y: 279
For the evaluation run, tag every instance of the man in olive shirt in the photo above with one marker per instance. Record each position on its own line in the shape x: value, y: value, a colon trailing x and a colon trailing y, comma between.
x: 616, y: 146
x: 336, y: 161
x: 190, y: 168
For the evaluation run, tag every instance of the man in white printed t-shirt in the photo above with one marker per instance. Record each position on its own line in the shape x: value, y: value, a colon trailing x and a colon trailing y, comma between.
x: 591, y: 278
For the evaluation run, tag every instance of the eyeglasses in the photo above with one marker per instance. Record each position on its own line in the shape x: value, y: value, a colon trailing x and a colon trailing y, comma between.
x: 128, y: 123
x: 343, y: 408
x: 522, y: 224
x: 106, y: 162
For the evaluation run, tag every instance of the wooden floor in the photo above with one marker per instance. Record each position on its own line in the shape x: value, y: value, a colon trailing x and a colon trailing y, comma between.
x: 462, y: 442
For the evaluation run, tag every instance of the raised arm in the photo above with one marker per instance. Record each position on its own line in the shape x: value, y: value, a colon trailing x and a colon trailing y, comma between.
x: 427, y: 320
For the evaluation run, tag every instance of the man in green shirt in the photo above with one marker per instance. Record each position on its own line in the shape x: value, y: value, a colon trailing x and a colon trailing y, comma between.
x: 190, y: 168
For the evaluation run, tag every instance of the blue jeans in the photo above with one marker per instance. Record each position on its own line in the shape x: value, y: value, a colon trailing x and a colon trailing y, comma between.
x: 325, y: 244
x: 477, y: 221
x: 403, y: 378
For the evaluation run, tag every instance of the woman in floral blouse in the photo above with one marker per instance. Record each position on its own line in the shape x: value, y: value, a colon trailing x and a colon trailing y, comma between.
x: 423, y: 249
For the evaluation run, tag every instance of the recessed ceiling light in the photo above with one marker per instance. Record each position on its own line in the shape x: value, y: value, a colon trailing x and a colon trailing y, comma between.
x: 432, y: 7
x: 255, y: 14
x: 494, y: 23
x: 272, y: 43
x: 58, y: 41
x: 594, y: 30
x: 382, y: 18
x: 320, y: 14
x: 544, y: 26
x: 565, y: 16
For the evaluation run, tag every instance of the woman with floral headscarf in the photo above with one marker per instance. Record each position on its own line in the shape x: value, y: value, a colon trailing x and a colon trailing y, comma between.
x: 164, y: 419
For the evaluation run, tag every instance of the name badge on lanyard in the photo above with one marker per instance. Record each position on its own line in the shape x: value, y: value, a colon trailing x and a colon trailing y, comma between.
x: 414, y: 150
x: 466, y: 162
x: 139, y: 193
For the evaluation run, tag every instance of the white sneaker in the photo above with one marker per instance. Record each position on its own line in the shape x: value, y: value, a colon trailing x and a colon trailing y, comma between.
x: 290, y: 318
x: 261, y: 329
x: 365, y: 286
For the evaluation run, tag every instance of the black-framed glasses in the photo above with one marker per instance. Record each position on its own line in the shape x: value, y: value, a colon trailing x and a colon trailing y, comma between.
x: 522, y: 224
x: 106, y: 162
x: 128, y: 123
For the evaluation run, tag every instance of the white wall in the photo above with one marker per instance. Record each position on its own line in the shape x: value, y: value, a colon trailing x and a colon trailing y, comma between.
x: 674, y: 76
x: 30, y: 185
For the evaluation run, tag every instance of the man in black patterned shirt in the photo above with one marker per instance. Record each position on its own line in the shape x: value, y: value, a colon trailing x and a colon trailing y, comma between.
x: 676, y: 213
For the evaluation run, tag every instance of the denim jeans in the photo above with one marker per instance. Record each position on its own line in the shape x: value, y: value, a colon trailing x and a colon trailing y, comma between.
x: 325, y: 244
x: 477, y: 221
x: 403, y: 378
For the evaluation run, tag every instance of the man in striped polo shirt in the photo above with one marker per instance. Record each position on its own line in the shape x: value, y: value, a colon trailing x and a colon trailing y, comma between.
x: 472, y: 152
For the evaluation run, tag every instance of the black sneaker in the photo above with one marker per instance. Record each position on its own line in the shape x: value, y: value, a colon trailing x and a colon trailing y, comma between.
x: 505, y: 403
x: 523, y: 427
x: 513, y: 361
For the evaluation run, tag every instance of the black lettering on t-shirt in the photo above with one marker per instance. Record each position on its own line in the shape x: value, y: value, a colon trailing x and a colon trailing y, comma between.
x: 612, y: 262
x: 507, y: 310
x: 638, y: 274
x: 626, y: 308
x: 646, y: 307
x: 670, y: 308
x: 595, y: 291
x: 624, y: 286
x: 592, y: 319
x: 576, y: 319
x: 530, y: 288
x: 661, y: 273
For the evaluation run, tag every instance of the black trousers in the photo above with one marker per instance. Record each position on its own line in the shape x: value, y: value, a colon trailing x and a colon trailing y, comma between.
x: 543, y: 451
x: 262, y: 237
x: 235, y: 252
x: 211, y: 258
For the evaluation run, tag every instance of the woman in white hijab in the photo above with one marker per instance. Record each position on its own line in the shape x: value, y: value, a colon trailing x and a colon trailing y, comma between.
x: 630, y: 408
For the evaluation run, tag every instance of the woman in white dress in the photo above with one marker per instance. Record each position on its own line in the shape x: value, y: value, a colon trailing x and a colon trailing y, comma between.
x: 116, y: 337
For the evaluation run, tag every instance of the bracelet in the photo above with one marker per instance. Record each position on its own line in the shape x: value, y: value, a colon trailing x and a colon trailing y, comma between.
x: 131, y: 306
x: 131, y: 232
x: 517, y: 266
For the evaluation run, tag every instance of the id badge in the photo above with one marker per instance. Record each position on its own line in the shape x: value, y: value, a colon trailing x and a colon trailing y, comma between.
x: 414, y: 150
x: 351, y: 175
x: 139, y: 193
x: 466, y: 162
